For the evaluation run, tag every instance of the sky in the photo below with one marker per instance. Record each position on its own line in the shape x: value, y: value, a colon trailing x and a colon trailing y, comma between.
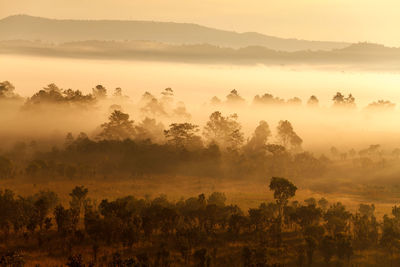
x: 336, y: 20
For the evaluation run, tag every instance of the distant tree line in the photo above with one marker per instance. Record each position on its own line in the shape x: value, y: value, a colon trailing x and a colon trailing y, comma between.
x: 153, y: 106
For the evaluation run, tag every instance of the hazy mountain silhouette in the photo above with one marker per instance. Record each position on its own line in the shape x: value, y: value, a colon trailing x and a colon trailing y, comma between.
x: 361, y: 54
x: 25, y: 27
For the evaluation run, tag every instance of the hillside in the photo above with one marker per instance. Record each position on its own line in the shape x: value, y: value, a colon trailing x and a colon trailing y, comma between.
x: 23, y: 27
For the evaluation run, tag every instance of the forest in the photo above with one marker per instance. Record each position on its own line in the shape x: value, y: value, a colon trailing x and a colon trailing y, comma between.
x: 198, y: 231
x: 331, y: 221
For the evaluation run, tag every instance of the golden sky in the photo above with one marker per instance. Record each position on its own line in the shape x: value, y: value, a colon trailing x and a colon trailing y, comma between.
x: 336, y: 20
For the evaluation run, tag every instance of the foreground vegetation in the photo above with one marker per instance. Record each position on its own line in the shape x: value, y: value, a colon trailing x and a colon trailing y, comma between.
x: 198, y: 231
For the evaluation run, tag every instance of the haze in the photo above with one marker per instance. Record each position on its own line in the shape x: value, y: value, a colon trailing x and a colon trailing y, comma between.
x: 183, y: 133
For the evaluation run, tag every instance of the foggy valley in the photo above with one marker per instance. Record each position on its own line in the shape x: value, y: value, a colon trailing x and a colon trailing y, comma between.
x: 150, y: 143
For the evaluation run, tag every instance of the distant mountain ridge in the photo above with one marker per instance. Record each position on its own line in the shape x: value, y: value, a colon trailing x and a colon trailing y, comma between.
x: 24, y: 27
x: 364, y: 55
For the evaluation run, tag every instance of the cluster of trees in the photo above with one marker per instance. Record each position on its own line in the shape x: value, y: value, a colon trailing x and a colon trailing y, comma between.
x: 150, y: 105
x: 124, y: 147
x: 219, y: 149
x: 339, y: 101
x: 198, y: 231
x: 153, y: 106
x: 52, y: 94
x: 222, y: 131
x: 373, y: 157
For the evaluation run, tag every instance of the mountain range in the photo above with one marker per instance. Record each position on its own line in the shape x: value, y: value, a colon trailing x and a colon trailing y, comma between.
x: 24, y: 27
x: 179, y: 42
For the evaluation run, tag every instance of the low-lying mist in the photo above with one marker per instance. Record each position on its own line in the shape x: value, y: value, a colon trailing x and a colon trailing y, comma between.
x: 320, y: 125
x: 348, y: 138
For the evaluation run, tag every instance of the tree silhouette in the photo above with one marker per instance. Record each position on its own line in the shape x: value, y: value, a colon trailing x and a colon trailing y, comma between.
x: 340, y: 100
x: 313, y: 101
x: 7, y: 90
x: 119, y: 127
x: 283, y: 190
x: 234, y: 98
x: 99, y: 92
x: 260, y: 136
x: 183, y: 135
x: 287, y: 135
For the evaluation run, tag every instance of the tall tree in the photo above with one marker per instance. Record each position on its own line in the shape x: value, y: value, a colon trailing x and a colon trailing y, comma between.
x: 287, y: 136
x: 119, y: 127
x: 283, y: 190
x: 260, y: 136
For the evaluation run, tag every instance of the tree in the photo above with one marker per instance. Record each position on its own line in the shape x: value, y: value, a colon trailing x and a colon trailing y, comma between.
x: 283, y: 190
x: 313, y: 101
x: 151, y: 106
x: 183, y: 135
x: 69, y: 140
x: 268, y: 99
x: 340, y: 100
x: 260, y: 136
x: 150, y: 129
x: 225, y: 131
x: 119, y: 127
x: 49, y: 94
x: 336, y: 218
x: 215, y: 101
x: 234, y: 98
x: 287, y: 136
x: 77, y: 97
x: 167, y: 94
x: 78, y: 196
x: 44, y: 201
x: 307, y: 216
x: 390, y: 239
x: 7, y: 90
x: 99, y: 92
x: 117, y: 92
x: 180, y: 111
